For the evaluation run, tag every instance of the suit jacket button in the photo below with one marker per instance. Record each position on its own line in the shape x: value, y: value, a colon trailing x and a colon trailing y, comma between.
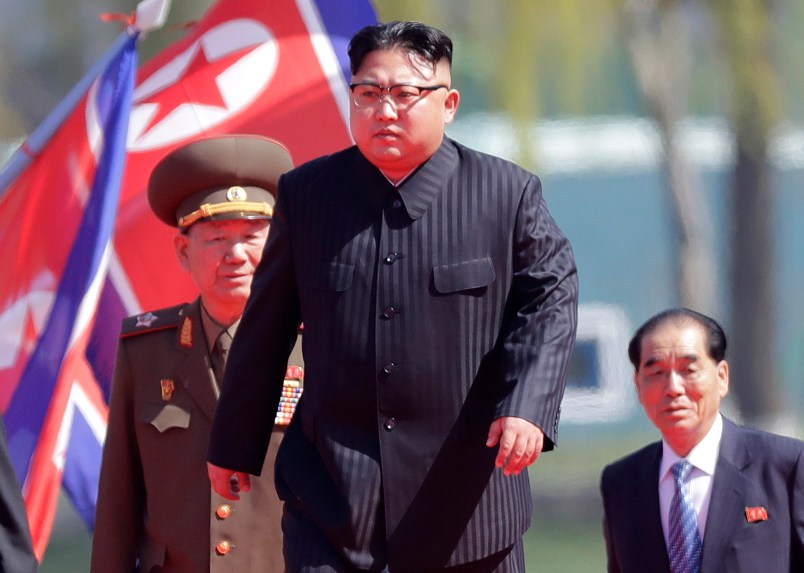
x: 388, y: 368
x: 389, y: 312
x: 224, y: 510
x: 396, y: 203
x: 223, y: 547
x: 390, y: 424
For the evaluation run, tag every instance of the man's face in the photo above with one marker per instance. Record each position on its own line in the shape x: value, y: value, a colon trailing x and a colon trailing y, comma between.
x: 397, y: 141
x: 679, y: 384
x: 221, y: 256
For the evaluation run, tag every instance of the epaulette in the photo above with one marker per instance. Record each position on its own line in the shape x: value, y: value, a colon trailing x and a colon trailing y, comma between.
x: 152, y: 321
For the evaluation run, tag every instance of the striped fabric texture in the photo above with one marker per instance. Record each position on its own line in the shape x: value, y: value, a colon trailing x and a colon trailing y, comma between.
x: 429, y: 311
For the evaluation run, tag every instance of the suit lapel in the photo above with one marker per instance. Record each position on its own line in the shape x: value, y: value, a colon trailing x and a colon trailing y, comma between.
x: 729, y: 489
x: 420, y: 190
x: 194, y: 372
x: 651, y: 543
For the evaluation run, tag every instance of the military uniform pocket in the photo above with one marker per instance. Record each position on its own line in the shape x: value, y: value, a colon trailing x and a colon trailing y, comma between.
x: 164, y: 416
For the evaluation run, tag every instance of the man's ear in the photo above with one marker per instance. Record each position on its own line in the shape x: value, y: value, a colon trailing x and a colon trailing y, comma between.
x: 181, y: 243
x: 451, y: 105
x: 723, y: 378
x: 636, y: 387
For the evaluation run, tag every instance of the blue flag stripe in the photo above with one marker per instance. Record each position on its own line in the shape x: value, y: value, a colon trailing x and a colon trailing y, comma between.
x: 28, y: 408
x: 341, y: 20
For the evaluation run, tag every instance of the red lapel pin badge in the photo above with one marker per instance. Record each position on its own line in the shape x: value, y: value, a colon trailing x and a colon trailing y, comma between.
x: 168, y: 387
x: 754, y: 514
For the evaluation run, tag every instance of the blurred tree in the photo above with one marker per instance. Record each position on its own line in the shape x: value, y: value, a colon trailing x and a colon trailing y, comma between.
x: 419, y: 10
x: 515, y: 86
x: 10, y: 121
x: 47, y: 46
x: 746, y: 31
x: 659, y: 38
x: 38, y: 69
x: 182, y: 16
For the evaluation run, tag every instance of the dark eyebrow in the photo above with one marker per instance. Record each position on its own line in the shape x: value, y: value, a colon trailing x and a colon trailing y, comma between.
x: 650, y: 362
x: 685, y: 357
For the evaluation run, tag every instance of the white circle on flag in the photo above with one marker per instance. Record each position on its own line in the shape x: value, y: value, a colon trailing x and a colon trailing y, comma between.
x: 238, y: 85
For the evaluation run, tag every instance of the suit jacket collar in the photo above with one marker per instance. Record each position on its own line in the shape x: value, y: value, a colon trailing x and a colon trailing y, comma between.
x: 419, y: 190
x: 729, y: 490
x: 651, y: 543
x: 194, y: 370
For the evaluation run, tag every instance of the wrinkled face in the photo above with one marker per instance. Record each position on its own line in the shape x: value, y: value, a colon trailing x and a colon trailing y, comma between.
x: 221, y: 256
x: 395, y: 140
x: 679, y: 384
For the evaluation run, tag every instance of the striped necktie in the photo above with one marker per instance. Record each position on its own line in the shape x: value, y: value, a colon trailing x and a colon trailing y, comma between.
x: 685, y: 540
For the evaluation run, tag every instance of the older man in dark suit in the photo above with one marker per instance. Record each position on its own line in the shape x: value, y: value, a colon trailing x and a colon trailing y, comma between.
x: 711, y: 496
x: 439, y: 305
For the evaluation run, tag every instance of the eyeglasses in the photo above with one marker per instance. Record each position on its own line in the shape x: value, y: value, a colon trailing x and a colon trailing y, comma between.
x: 402, y: 96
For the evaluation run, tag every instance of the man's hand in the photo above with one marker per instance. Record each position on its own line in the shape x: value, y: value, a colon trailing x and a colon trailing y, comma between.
x: 228, y: 483
x: 520, y: 442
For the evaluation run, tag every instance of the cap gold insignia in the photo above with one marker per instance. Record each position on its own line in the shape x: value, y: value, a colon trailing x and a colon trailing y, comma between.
x: 236, y: 193
x: 186, y: 336
x: 167, y: 389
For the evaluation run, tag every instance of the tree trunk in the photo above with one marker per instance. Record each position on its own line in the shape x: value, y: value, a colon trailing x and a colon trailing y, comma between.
x: 746, y: 29
x: 661, y: 57
x: 752, y: 334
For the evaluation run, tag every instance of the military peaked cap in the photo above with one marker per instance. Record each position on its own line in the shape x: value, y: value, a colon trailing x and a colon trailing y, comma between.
x: 226, y: 177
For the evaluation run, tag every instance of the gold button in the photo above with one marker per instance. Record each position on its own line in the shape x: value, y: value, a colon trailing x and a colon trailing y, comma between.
x: 223, y: 548
x: 224, y: 510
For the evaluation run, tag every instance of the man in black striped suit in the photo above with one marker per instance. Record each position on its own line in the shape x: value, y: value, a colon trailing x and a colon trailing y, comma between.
x: 439, y: 302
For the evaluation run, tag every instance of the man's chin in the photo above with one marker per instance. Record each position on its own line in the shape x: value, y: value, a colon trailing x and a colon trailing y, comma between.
x: 236, y: 293
x: 677, y: 420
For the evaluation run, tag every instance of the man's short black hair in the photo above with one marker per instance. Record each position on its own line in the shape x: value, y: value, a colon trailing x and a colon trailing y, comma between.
x: 715, y: 337
x: 429, y: 43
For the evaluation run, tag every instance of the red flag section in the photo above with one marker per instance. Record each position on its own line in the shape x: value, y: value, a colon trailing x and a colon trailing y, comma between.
x: 249, y: 66
x: 36, y: 262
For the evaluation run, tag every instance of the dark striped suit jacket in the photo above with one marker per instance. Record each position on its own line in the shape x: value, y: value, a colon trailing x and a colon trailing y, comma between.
x: 754, y: 469
x: 429, y: 311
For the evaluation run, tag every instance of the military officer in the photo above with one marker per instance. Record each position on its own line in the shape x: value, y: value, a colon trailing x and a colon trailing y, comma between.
x: 156, y: 509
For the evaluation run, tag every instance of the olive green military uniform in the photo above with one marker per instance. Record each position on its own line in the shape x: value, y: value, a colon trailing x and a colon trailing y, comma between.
x: 155, y: 501
x: 156, y: 509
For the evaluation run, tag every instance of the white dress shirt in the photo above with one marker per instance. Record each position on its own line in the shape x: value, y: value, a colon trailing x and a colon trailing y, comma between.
x: 703, y: 458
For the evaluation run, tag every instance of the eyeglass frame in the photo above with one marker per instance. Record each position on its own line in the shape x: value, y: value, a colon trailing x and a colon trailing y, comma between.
x: 385, y: 93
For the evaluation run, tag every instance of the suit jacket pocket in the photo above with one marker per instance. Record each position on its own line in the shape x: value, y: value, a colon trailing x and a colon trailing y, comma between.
x: 336, y: 277
x: 465, y: 275
x: 164, y: 416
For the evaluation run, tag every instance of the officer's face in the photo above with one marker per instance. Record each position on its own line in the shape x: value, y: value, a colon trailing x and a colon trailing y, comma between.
x: 221, y: 256
x: 679, y: 384
x: 398, y: 140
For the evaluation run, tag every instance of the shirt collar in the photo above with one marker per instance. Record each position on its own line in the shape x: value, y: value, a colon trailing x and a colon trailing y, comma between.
x: 213, y: 328
x: 401, y: 181
x: 703, y: 456
x: 417, y: 190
